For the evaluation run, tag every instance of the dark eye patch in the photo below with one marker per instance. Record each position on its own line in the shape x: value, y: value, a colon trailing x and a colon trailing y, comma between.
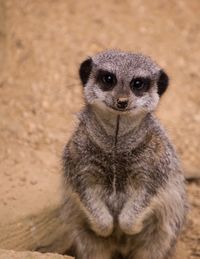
x: 106, y: 79
x: 139, y: 85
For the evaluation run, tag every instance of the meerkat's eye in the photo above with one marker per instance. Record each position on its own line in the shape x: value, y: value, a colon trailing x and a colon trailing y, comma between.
x: 139, y: 85
x: 107, y: 80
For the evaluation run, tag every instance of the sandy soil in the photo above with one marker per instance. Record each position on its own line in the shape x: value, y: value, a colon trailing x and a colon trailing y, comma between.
x: 42, y: 44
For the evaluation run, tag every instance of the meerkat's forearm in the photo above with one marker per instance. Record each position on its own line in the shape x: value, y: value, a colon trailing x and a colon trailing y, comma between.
x: 98, y: 215
x: 134, y: 212
x: 94, y: 208
x: 88, y: 194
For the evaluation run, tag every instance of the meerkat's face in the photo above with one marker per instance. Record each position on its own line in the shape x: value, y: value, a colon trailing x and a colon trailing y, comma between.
x: 122, y: 82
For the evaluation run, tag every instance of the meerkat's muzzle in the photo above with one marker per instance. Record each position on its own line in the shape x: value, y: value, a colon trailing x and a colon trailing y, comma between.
x: 122, y: 103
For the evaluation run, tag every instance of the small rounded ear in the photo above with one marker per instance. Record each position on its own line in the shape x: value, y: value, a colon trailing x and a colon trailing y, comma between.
x: 163, y: 82
x: 85, y: 70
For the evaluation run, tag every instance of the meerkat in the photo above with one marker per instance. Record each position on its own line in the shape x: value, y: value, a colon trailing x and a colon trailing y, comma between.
x: 124, y: 188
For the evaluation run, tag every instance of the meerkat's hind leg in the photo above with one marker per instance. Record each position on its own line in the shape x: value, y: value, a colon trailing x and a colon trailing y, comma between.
x: 117, y: 255
x: 90, y: 246
x: 154, y: 249
x: 92, y: 253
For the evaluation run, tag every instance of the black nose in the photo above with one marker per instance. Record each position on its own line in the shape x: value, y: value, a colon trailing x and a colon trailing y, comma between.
x: 122, y: 103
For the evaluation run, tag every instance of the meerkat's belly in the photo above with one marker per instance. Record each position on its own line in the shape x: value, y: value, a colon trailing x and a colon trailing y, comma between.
x: 116, y: 193
x: 115, y: 202
x: 112, y: 173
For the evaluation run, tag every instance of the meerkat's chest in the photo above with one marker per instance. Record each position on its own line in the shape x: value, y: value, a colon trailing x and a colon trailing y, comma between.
x: 112, y: 172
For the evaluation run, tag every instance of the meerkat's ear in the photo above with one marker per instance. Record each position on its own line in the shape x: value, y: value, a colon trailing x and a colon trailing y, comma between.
x: 85, y: 70
x: 163, y: 82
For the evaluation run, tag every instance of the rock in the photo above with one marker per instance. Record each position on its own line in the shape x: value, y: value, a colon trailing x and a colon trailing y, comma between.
x: 10, y: 254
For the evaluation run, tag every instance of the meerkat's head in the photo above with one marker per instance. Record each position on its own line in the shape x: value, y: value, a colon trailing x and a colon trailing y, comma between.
x: 122, y: 82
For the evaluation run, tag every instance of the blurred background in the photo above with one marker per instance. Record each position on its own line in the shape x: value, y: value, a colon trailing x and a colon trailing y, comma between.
x: 42, y: 43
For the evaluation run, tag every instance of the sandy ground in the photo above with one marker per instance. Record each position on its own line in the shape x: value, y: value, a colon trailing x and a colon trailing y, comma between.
x: 42, y: 44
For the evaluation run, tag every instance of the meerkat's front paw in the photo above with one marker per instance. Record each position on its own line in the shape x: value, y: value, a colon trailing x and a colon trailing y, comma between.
x: 102, y: 226
x: 128, y: 226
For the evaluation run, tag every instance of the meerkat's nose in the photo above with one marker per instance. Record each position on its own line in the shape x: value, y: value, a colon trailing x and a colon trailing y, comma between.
x: 122, y: 103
